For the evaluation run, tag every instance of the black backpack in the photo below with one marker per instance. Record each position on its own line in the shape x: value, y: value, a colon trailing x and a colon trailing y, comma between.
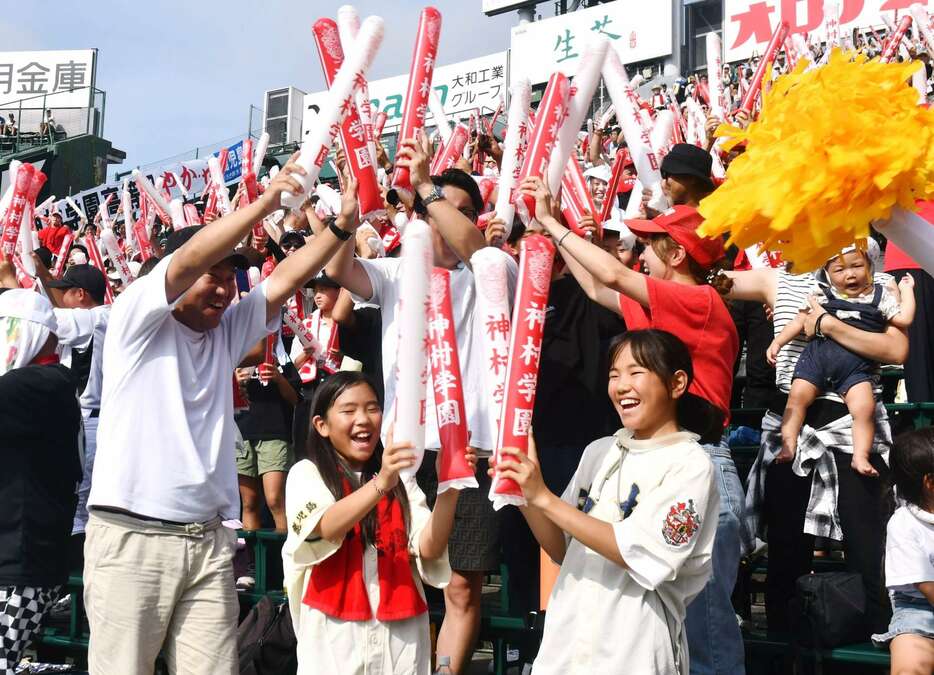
x: 829, y: 610
x: 266, y: 640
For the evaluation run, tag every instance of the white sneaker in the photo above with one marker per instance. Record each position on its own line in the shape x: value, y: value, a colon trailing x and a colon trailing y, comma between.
x: 246, y: 583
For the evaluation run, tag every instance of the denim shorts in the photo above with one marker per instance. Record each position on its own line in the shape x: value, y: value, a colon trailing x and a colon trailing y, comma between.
x: 909, y: 615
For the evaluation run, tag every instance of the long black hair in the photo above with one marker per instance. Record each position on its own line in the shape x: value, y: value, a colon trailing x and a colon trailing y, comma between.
x: 912, y: 459
x: 331, y: 465
x: 664, y: 354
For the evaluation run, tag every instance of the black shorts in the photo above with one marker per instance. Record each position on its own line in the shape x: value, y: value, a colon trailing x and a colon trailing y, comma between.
x: 474, y: 545
x: 832, y: 367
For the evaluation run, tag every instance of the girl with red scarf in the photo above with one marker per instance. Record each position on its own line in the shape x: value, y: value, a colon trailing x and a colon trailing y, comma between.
x: 360, y: 541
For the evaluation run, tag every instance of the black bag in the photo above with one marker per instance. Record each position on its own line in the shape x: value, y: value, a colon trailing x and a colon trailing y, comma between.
x: 266, y: 640
x: 829, y: 609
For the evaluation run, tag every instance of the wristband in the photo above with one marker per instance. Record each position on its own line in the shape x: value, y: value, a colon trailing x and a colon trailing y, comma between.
x: 379, y: 490
x: 817, y: 330
x: 561, y: 240
x: 338, y: 232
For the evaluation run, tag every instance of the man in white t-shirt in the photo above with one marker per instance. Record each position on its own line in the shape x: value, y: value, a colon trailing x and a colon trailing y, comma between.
x: 158, y: 564
x: 450, y: 203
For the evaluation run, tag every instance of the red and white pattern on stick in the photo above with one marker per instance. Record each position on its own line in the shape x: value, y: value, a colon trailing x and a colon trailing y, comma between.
x: 416, y: 96
x: 454, y: 471
x: 94, y: 256
x: 576, y: 201
x: 13, y: 218
x: 550, y: 117
x: 891, y: 45
x: 348, y: 25
x: 411, y: 374
x: 924, y: 21
x: 715, y: 75
x: 452, y: 151
x: 771, y: 51
x: 28, y: 237
x: 378, y: 123
x: 536, y: 256
x: 517, y: 128
x: 491, y: 281
x: 337, y: 105
x: 62, y: 256
x: 353, y: 134
x: 117, y: 258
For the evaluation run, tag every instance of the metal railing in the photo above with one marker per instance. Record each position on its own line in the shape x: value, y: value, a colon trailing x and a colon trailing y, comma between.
x: 32, y: 131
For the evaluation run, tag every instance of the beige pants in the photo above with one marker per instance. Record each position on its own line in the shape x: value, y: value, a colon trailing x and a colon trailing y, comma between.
x: 150, y: 587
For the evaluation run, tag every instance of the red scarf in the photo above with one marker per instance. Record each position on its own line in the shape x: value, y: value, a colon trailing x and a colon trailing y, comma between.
x: 337, y: 587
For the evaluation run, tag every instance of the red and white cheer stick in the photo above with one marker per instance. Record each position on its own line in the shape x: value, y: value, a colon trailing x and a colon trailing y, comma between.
x: 576, y: 200
x: 548, y: 120
x: 109, y: 240
x: 416, y: 96
x: 13, y: 218
x: 336, y: 106
x: 715, y: 75
x: 536, y: 256
x: 924, y: 21
x: 352, y: 132
x: 768, y: 57
x: 411, y: 372
x: 348, y: 25
x: 62, y: 256
x: 28, y: 236
x: 155, y: 196
x: 895, y: 39
x: 378, y: 123
x: 452, y: 151
x: 454, y: 471
x: 94, y: 255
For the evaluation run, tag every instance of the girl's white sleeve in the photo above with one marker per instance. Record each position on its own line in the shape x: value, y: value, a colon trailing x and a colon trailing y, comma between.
x: 672, y: 522
x: 307, y: 498
x: 436, y: 572
x: 908, y: 558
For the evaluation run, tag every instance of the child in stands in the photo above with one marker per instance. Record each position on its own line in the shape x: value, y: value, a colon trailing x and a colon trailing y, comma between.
x: 846, y: 290
x: 634, y: 529
x: 361, y: 541
x: 909, y: 556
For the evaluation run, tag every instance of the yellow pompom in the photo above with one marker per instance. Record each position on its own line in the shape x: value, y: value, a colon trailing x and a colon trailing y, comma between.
x: 833, y: 149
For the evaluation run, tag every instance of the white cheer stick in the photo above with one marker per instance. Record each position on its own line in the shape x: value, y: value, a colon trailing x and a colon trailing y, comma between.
x: 335, y: 107
x: 260, y: 154
x: 178, y: 183
x: 126, y: 206
x: 329, y: 197
x: 912, y: 234
x: 715, y: 75
x: 517, y: 117
x: 220, y: 187
x: 8, y: 193
x: 151, y: 190
x: 924, y: 22
x: 177, y: 213
x: 440, y: 117
x: 583, y: 87
x: 348, y: 25
x: 44, y: 206
x: 82, y: 216
x: 109, y: 240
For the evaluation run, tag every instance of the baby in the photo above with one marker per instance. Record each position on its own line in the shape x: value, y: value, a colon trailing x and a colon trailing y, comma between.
x: 852, y: 297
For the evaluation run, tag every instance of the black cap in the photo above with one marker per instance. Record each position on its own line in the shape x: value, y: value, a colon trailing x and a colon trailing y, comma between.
x: 87, y: 277
x: 685, y: 159
x: 179, y: 237
x: 323, y: 280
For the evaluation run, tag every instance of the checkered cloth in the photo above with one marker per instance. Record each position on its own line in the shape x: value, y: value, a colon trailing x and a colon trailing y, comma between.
x: 22, y: 609
x: 813, y: 456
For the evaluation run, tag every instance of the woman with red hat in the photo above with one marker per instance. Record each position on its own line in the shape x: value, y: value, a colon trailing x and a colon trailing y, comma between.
x: 681, y: 294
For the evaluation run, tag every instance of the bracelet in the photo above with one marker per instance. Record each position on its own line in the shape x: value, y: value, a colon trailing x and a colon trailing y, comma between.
x: 561, y: 240
x: 817, y: 330
x: 338, y: 232
x: 379, y: 490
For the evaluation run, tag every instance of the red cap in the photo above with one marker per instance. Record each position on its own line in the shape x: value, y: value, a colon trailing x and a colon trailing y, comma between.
x: 681, y: 223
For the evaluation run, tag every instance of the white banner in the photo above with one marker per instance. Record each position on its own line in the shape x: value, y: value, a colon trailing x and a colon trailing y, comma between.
x: 62, y: 78
x: 462, y: 88
x: 748, y: 24
x: 637, y: 30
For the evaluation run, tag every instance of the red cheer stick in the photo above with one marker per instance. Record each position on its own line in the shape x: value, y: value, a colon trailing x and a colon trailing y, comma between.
x: 576, y: 200
x: 13, y: 218
x: 416, y: 96
x: 352, y: 133
x: 895, y: 39
x: 453, y: 150
x: 771, y: 51
x: 548, y: 120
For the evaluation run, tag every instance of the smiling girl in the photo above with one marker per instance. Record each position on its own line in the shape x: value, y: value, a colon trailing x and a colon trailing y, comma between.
x: 634, y: 530
x: 360, y: 541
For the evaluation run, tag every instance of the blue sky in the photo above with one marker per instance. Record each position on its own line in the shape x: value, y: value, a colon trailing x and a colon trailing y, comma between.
x: 183, y: 73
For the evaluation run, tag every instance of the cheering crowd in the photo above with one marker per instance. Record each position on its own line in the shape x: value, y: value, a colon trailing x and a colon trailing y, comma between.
x: 248, y: 358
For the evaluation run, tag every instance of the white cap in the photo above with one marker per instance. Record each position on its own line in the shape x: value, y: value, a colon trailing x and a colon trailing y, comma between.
x: 615, y: 224
x: 600, y: 172
x: 28, y: 305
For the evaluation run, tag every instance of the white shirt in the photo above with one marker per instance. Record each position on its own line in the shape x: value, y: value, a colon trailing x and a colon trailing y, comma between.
x: 165, y: 444
x: 603, y: 618
x: 384, y: 274
x: 76, y: 330
x: 329, y: 645
x: 909, y: 550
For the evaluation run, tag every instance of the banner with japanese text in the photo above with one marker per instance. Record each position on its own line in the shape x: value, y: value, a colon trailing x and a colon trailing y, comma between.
x: 58, y: 79
x: 191, y: 174
x: 748, y: 24
x: 637, y: 30
x: 462, y: 88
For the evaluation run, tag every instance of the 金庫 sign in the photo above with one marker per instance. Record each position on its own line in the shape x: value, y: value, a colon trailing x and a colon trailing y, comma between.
x: 748, y: 24
x: 60, y: 78
x: 462, y: 88
x: 637, y: 30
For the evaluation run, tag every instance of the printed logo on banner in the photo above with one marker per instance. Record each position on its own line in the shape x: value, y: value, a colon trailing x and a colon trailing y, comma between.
x: 234, y: 157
